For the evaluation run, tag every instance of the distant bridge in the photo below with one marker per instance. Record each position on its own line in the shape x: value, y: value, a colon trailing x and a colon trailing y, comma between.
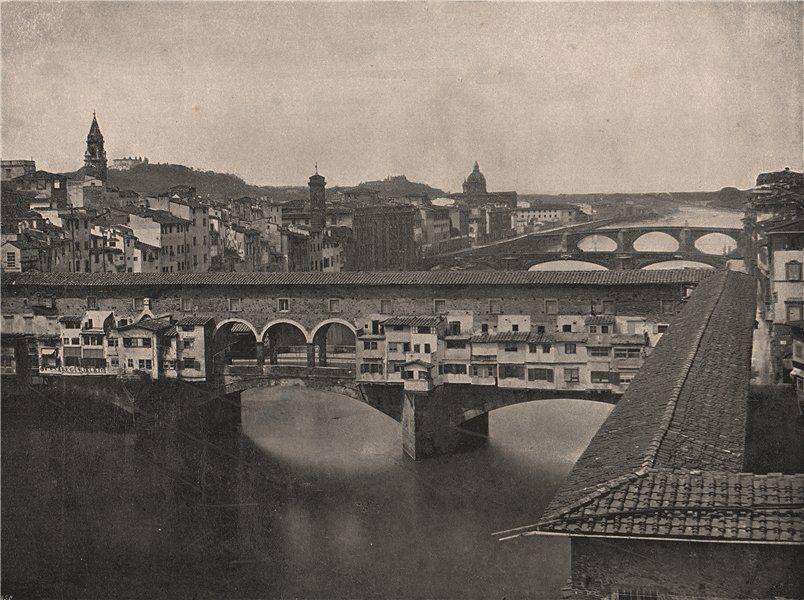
x: 527, y: 251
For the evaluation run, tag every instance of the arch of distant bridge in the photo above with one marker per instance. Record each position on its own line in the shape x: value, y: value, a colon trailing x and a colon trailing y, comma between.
x: 625, y: 237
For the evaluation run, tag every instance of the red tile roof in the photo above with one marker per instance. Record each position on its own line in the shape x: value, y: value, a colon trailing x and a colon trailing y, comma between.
x: 365, y: 278
x: 667, y: 462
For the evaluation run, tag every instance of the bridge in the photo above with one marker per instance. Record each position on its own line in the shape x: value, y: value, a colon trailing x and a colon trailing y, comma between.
x: 621, y: 248
x: 434, y: 350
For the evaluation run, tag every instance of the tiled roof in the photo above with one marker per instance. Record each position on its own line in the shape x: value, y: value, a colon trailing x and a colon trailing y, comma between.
x: 699, y: 504
x: 193, y: 320
x: 366, y: 278
x: 601, y: 320
x: 155, y: 325
x: 788, y: 227
x: 509, y: 336
x: 673, y: 448
x: 413, y: 321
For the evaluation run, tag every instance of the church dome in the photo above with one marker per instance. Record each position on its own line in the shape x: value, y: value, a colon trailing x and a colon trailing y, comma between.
x: 475, y: 183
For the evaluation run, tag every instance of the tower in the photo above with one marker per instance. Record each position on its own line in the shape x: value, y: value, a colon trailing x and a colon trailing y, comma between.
x: 95, y: 156
x: 317, y: 201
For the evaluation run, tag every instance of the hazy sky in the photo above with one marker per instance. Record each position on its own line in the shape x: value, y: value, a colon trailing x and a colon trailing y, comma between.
x: 547, y: 97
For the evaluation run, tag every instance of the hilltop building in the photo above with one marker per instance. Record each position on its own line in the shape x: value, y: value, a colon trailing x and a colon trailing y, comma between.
x: 128, y: 163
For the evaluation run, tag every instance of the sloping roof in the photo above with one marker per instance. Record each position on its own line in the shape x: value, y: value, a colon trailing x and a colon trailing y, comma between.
x: 194, y: 320
x: 413, y: 321
x: 667, y: 462
x: 366, y: 278
x: 601, y: 320
x: 509, y: 336
x: 155, y: 325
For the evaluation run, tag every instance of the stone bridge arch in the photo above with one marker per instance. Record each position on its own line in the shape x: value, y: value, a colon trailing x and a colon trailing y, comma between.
x: 591, y: 241
x: 335, y: 342
x: 286, y: 341
x: 234, y: 341
x: 655, y: 238
x: 570, y: 264
x: 715, y: 240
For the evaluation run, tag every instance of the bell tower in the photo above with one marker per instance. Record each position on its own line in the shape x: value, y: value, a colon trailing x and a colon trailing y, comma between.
x: 317, y: 186
x: 95, y: 156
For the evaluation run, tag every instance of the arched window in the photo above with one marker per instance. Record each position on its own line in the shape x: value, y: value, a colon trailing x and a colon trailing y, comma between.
x: 792, y: 271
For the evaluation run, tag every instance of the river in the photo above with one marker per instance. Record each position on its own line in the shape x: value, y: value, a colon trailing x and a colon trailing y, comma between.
x: 313, y: 500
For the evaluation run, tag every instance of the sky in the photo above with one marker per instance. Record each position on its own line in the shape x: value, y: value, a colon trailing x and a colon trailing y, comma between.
x: 548, y: 98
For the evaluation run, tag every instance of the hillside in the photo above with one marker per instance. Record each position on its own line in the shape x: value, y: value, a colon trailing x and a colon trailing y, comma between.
x: 397, y: 186
x: 155, y: 178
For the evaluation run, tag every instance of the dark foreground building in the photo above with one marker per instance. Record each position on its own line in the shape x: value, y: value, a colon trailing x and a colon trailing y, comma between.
x: 669, y: 500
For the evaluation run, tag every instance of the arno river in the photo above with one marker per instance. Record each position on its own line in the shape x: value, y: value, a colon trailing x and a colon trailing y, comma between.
x: 314, y: 500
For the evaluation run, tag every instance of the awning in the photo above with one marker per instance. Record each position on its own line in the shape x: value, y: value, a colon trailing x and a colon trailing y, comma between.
x: 797, y: 373
x: 50, y: 352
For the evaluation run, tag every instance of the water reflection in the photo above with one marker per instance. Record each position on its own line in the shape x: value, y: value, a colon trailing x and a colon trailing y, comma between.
x: 567, y: 265
x: 313, y: 500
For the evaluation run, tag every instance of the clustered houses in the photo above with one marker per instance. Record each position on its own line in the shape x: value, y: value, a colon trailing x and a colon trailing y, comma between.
x: 774, y: 223
x: 576, y: 352
x: 100, y: 343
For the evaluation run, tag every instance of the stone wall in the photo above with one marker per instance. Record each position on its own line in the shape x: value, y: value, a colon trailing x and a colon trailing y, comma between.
x: 602, y: 566
x: 309, y: 306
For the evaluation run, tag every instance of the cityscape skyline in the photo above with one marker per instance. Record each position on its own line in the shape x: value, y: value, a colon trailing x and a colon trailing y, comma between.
x: 416, y: 90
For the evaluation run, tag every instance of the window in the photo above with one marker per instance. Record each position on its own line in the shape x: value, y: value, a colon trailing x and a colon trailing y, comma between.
x: 627, y: 353
x: 416, y: 347
x: 439, y: 306
x: 187, y: 304
x: 593, y: 329
x: 386, y: 307
x: 540, y: 329
x: 146, y: 342
x: 139, y: 303
x: 406, y: 347
x: 283, y: 304
x: 484, y: 327
x: 511, y: 347
x: 456, y: 344
x: 130, y: 363
x: 495, y: 307
x: 795, y: 312
x: 112, y: 342
x: 600, y: 376
x: 369, y: 345
x: 566, y: 328
x: 512, y: 372
x: 405, y: 374
x: 424, y: 330
x: 570, y: 348
x: 372, y: 367
x: 234, y: 305
x: 187, y: 343
x: 392, y: 346
x: 141, y: 363
x: 11, y: 259
x: 792, y: 271
x: 75, y: 341
x: 334, y: 305
x: 427, y: 348
x: 452, y: 369
x: 454, y: 328
x: 604, y: 328
x: 540, y: 374
x: 662, y: 328
x: 598, y: 351
x: 189, y: 363
x: 115, y: 362
x: 92, y: 303
x: 551, y: 307
x: 66, y: 341
x: 571, y: 375
x: 546, y: 348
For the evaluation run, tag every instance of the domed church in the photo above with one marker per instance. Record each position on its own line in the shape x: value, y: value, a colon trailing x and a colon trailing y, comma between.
x: 475, y: 183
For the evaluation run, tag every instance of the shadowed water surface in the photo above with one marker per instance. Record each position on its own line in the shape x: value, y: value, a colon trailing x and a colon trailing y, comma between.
x: 314, y: 499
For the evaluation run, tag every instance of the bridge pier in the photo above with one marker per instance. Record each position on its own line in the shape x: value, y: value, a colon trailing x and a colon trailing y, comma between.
x: 425, y: 429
